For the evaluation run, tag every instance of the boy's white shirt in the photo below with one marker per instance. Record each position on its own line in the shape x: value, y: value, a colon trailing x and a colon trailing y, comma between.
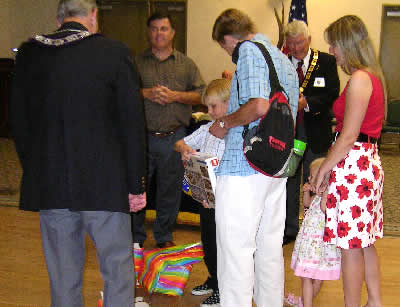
x: 203, y: 141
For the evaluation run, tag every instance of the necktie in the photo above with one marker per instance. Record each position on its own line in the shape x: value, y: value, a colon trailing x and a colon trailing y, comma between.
x: 299, y: 69
x: 300, y: 72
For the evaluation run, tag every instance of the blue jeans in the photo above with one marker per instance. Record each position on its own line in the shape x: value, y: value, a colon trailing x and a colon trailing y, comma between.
x: 166, y: 168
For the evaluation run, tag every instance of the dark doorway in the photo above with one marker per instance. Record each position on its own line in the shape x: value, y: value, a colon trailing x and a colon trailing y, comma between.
x: 390, y: 46
x: 125, y: 20
x: 6, y: 68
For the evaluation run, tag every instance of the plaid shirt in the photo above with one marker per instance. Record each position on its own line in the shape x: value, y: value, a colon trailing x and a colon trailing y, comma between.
x: 252, y: 73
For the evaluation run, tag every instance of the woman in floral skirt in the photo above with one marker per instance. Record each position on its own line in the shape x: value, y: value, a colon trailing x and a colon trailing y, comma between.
x: 354, y: 211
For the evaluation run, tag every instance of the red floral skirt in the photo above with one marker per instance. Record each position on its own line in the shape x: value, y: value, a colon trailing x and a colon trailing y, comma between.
x: 354, y: 210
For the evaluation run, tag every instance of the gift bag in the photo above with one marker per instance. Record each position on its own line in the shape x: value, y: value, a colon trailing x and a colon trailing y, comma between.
x: 166, y: 270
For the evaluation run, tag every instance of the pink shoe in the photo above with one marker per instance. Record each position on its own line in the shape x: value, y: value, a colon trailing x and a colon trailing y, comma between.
x: 292, y: 300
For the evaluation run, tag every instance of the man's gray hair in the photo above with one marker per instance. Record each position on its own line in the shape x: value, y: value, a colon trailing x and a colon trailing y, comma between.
x: 74, y: 8
x: 296, y: 28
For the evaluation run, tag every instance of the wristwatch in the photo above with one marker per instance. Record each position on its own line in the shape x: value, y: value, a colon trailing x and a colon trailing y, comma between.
x: 222, y: 124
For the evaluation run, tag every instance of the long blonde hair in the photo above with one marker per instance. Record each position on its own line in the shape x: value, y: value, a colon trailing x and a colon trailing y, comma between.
x: 350, y: 35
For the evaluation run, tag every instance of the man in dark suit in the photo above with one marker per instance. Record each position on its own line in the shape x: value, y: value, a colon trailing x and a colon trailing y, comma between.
x: 319, y: 87
x: 77, y: 119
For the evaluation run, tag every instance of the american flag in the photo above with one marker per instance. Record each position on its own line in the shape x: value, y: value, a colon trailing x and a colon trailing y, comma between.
x: 298, y: 10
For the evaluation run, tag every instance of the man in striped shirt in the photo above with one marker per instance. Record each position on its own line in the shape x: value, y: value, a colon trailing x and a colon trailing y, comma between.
x: 250, y: 207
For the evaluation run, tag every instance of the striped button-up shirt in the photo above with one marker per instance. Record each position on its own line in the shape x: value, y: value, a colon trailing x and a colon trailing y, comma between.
x: 178, y: 73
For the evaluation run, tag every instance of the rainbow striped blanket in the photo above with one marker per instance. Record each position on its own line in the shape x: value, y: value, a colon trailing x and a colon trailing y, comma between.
x: 166, y: 270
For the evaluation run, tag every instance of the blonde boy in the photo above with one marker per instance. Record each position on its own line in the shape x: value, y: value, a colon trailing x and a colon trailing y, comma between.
x: 216, y: 98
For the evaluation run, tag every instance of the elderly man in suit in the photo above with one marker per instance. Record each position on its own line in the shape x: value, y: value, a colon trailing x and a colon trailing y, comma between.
x: 77, y: 119
x: 319, y: 87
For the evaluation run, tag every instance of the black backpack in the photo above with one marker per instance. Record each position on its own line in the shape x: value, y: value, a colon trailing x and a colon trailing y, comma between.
x: 268, y: 147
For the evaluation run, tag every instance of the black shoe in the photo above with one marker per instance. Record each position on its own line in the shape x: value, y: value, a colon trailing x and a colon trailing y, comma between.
x: 166, y: 244
x: 288, y: 239
x: 202, y: 289
x: 212, y: 301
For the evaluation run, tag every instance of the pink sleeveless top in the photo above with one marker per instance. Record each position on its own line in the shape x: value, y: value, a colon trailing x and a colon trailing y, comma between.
x: 373, y: 120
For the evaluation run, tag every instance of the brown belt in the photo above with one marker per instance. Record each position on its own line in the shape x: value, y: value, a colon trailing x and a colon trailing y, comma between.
x: 161, y: 134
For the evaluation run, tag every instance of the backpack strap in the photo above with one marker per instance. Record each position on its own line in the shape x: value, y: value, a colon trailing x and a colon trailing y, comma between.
x: 273, y: 76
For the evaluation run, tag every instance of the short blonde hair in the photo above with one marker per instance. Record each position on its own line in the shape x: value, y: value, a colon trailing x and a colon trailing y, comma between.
x: 218, y: 88
x: 296, y: 28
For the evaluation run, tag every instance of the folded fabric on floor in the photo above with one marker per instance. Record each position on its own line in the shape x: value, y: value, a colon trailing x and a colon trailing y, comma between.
x: 166, y: 270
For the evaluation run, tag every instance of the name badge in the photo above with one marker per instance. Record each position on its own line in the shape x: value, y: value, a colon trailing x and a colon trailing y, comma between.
x: 319, y: 82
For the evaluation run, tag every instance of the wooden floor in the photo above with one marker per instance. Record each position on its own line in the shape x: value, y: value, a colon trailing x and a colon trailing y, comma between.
x: 23, y: 276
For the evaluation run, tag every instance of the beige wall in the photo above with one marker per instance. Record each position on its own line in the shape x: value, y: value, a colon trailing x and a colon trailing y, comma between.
x: 20, y: 19
x: 5, y: 28
x: 212, y: 59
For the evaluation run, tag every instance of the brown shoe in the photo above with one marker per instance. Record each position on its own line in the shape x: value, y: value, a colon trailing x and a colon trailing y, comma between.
x: 166, y: 244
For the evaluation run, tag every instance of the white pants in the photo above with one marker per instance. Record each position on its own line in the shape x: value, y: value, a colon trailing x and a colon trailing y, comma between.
x: 250, y: 218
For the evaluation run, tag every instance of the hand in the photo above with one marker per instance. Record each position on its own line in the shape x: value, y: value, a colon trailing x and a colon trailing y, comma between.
x: 153, y: 95
x: 186, y: 153
x: 307, y: 187
x: 226, y: 74
x: 205, y: 205
x: 302, y: 103
x: 319, y: 183
x: 185, y: 150
x: 166, y: 95
x: 137, y: 202
x: 217, y: 131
